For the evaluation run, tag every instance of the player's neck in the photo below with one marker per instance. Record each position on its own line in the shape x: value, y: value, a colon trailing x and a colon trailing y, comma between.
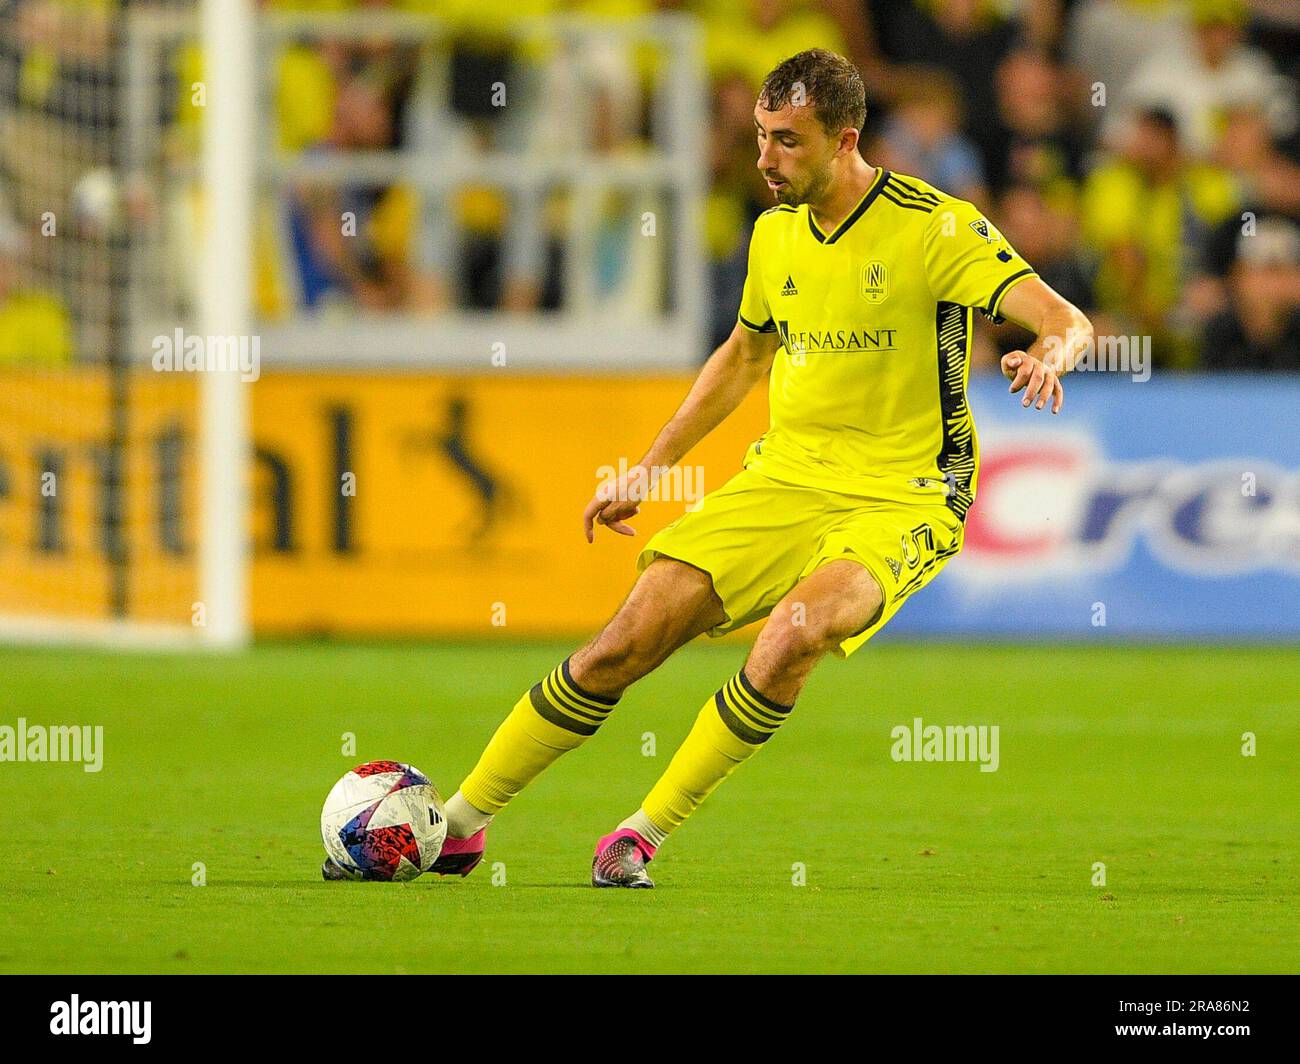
x: 843, y: 195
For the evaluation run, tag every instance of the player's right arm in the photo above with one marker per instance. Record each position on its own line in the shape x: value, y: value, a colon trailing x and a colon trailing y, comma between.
x: 742, y: 360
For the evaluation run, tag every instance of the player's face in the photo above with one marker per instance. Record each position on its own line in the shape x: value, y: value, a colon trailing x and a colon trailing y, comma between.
x: 794, y: 153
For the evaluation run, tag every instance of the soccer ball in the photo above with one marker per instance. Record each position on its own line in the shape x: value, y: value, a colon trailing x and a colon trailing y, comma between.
x: 383, y: 820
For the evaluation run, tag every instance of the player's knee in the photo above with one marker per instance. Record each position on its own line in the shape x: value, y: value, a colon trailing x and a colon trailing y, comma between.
x: 792, y: 635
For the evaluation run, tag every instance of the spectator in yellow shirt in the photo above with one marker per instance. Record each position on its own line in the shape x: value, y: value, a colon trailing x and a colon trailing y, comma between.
x: 1147, y: 215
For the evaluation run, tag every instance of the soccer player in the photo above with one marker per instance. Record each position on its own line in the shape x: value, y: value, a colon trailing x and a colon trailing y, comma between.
x: 859, y: 300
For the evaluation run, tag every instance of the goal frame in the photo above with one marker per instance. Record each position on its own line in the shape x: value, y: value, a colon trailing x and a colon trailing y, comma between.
x: 219, y: 617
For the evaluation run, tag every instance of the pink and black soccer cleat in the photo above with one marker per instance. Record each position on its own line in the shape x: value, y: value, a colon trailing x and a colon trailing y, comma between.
x: 460, y: 857
x: 621, y: 859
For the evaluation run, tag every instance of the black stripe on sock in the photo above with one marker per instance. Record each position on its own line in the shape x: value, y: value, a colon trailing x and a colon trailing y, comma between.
x: 561, y: 701
x: 747, y: 707
x: 738, y: 727
x: 548, y: 712
x: 761, y: 698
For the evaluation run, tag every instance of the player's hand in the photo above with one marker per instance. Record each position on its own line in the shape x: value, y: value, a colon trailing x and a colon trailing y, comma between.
x: 1038, y: 380
x: 616, y: 500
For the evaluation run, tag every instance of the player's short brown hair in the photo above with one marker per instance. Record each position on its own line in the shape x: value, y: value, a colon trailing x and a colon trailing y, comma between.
x: 830, y: 83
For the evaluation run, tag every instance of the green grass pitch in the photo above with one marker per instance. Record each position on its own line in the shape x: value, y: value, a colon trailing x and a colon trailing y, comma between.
x: 1131, y: 756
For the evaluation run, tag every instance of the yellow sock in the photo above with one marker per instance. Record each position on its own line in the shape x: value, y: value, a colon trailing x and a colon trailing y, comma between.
x: 731, y: 727
x: 554, y: 717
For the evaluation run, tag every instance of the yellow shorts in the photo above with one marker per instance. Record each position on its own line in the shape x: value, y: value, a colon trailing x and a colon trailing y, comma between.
x: 758, y: 537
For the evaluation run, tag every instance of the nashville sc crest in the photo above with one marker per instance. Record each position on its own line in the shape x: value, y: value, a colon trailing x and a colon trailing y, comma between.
x: 875, y: 281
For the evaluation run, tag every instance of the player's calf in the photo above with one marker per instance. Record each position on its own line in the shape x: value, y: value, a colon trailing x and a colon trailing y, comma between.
x: 669, y: 605
x: 733, y: 725
x: 834, y: 603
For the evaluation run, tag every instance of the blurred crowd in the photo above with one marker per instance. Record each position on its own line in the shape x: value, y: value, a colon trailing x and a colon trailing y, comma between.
x: 1144, y: 155
x: 1141, y: 154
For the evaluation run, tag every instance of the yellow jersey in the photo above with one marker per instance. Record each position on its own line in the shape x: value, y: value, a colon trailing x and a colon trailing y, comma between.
x: 868, y: 389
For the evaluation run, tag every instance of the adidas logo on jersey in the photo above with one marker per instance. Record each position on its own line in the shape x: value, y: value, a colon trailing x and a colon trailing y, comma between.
x: 789, y: 289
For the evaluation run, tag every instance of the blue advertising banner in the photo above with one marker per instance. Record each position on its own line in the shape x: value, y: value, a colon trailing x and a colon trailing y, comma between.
x: 1157, y: 509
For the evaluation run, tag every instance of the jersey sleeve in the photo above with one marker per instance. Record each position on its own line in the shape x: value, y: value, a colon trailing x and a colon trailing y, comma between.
x: 967, y: 261
x: 754, y: 314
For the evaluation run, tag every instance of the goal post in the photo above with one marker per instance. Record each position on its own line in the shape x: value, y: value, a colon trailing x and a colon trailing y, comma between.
x: 225, y: 309
x: 123, y: 489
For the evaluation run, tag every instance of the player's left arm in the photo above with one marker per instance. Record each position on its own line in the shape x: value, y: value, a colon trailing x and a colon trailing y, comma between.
x: 969, y: 262
x: 1062, y: 333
